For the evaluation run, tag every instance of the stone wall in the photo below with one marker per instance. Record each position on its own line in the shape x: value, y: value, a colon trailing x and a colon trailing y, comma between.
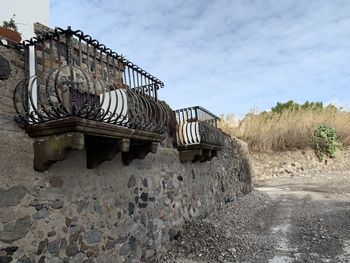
x: 113, y: 213
x: 296, y: 163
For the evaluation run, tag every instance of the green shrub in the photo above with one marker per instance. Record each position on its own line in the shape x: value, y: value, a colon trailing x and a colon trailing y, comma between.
x: 307, y: 106
x: 325, y: 141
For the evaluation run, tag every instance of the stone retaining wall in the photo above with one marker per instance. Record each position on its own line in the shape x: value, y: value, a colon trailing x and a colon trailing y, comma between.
x: 113, y: 213
x: 296, y: 163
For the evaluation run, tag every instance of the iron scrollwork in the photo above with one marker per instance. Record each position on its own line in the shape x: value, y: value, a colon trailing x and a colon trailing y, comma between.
x: 75, y: 75
x: 198, y: 137
x: 78, y: 88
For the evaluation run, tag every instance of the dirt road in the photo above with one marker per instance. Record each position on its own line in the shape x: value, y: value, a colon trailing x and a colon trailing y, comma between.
x: 295, y: 219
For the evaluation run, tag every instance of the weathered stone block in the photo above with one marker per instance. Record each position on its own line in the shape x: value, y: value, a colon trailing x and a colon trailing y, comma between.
x: 5, y: 259
x: 131, y: 181
x: 57, y: 204
x: 124, y: 250
x: 4, y: 68
x: 10, y: 250
x: 97, y: 207
x: 10, y: 226
x: 93, y: 236
x: 12, y: 196
x: 54, y: 247
x: 131, y: 208
x: 42, y: 213
x: 41, y: 246
x: 20, y: 230
x: 78, y: 258
x: 72, y: 249
x: 50, y: 194
x: 7, y: 214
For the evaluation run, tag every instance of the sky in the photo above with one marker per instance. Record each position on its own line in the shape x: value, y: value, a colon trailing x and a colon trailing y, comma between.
x: 39, y: 12
x: 229, y: 56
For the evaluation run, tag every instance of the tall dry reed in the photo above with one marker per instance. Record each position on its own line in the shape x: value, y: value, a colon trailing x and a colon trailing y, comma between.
x: 286, y: 131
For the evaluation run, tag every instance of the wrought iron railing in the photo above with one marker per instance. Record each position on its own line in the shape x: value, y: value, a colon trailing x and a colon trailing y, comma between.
x: 197, y: 125
x: 8, y: 44
x: 2, y: 43
x: 72, y: 74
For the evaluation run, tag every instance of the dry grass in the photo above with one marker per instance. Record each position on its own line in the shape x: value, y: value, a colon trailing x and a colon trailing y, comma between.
x: 286, y: 131
x: 229, y: 124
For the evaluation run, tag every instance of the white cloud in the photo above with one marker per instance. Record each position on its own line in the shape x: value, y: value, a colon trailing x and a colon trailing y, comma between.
x: 229, y: 56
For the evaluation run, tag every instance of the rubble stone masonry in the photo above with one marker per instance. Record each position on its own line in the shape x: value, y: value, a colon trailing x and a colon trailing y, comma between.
x: 113, y: 213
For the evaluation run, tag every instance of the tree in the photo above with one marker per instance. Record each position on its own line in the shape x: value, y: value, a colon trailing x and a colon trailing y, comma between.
x: 11, y: 24
x: 307, y: 106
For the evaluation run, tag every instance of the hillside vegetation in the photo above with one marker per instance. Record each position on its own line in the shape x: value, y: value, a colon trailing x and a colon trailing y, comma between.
x: 291, y: 126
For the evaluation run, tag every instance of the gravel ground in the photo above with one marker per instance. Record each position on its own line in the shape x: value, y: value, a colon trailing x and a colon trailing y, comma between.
x: 296, y: 219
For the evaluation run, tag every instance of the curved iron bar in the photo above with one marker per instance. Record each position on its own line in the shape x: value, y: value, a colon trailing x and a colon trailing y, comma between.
x: 199, y: 132
x: 70, y: 91
x: 8, y: 44
x: 94, y: 43
x: 197, y: 125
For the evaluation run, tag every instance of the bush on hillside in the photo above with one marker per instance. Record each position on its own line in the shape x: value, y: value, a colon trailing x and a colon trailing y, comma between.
x: 307, y: 106
x: 325, y: 141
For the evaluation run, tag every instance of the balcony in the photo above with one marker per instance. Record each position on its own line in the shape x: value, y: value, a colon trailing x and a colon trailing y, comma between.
x: 79, y: 94
x: 198, y: 138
